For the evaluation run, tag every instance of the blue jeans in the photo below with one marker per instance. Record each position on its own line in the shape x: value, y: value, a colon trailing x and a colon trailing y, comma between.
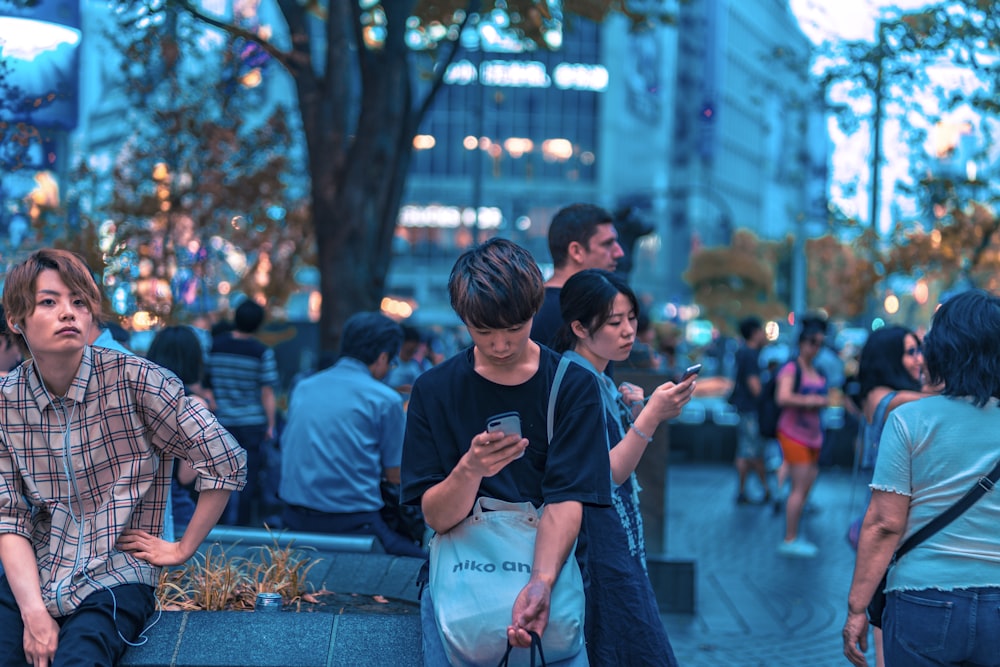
x: 434, y: 653
x: 942, y: 628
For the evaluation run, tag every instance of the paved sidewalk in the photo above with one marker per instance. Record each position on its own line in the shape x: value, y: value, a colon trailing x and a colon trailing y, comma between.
x: 754, y: 607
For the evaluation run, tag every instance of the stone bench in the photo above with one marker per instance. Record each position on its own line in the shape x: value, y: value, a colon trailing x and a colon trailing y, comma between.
x: 279, y: 639
x: 332, y: 636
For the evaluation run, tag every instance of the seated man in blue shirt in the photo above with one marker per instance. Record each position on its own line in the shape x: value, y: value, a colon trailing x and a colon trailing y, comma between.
x: 343, y: 435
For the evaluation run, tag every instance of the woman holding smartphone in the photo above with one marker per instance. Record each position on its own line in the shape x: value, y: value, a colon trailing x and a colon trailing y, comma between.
x: 623, y: 625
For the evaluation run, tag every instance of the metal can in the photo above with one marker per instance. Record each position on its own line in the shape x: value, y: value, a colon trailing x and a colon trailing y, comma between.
x: 268, y: 602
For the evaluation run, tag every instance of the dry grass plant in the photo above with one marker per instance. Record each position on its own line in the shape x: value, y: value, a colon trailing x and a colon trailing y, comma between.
x: 217, y: 581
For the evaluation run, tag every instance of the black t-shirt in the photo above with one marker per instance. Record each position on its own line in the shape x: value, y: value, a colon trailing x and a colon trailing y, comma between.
x: 747, y: 366
x: 451, y: 403
x: 548, y: 320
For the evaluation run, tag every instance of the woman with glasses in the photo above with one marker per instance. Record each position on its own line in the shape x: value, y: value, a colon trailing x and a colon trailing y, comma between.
x: 801, y: 393
x: 890, y: 373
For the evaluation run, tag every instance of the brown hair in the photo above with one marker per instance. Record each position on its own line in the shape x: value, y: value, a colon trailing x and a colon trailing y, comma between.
x: 21, y: 282
x: 496, y: 285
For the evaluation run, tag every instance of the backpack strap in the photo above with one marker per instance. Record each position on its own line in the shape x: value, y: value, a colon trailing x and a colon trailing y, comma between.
x: 553, y: 393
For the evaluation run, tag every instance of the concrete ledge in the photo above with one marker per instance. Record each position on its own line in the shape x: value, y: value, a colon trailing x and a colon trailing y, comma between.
x: 246, y: 538
x: 299, y: 639
x: 279, y: 639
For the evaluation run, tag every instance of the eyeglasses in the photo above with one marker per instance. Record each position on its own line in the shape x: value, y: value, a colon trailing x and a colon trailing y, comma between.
x: 913, y: 351
x: 814, y: 341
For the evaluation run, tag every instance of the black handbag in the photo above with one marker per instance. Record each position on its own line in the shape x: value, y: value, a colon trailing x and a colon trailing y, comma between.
x: 536, y: 647
x: 877, y: 605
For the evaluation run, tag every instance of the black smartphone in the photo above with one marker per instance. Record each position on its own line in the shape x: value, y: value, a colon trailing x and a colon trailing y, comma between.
x: 691, y: 370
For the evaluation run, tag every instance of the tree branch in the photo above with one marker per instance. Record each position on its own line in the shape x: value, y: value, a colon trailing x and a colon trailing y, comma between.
x: 438, y: 79
x: 283, y: 57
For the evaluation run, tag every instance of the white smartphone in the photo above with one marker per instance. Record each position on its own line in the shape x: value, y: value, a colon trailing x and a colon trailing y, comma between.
x: 508, y: 423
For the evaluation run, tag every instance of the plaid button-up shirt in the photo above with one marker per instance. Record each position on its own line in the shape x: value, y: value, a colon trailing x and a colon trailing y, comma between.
x: 77, y: 471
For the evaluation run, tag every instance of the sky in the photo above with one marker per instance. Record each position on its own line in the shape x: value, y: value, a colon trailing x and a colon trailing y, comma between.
x: 832, y: 20
x: 845, y: 19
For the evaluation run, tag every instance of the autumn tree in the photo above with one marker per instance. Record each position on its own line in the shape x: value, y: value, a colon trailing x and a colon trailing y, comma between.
x: 840, y: 277
x: 199, y: 204
x: 365, y: 74
x: 960, y: 250
x: 735, y: 281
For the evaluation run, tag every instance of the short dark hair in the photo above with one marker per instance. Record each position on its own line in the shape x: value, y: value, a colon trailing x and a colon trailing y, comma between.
x: 962, y: 348
x: 178, y: 349
x: 496, y: 285
x: 749, y: 326
x: 366, y: 335
x: 248, y: 317
x: 589, y: 297
x: 576, y: 222
x: 412, y: 334
x: 881, y: 362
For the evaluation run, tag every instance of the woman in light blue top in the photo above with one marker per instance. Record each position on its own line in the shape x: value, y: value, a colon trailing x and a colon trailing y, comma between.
x: 943, y: 597
x: 890, y: 373
x: 623, y: 625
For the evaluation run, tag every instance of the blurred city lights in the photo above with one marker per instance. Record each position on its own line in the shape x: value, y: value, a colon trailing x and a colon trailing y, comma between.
x: 891, y: 304
x: 557, y: 150
x: 576, y: 76
x: 772, y: 330
x: 518, y: 146
x: 423, y: 142
x: 396, y: 308
x: 23, y: 39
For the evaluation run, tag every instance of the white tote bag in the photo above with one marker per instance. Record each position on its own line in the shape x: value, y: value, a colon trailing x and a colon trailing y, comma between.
x: 477, y: 570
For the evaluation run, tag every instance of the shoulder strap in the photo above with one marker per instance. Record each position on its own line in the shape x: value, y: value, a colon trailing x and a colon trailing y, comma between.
x: 798, y: 376
x: 965, y: 502
x: 553, y: 393
x: 882, y: 409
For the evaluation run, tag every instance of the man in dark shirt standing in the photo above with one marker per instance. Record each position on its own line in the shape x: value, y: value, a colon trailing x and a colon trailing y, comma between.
x: 581, y: 236
x: 746, y: 393
x: 243, y: 375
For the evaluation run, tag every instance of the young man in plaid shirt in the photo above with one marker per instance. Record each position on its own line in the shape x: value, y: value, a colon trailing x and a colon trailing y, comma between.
x: 87, y: 441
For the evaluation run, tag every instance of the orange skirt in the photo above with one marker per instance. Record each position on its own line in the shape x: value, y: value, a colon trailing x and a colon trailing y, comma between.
x: 796, y: 453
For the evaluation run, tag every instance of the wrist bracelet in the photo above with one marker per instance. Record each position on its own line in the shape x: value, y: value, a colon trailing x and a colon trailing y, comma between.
x: 642, y: 435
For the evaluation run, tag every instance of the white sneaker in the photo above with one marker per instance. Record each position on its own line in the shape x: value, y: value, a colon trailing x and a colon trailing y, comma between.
x: 798, y: 548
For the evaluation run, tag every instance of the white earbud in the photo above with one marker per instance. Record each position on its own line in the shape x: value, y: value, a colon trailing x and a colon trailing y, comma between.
x: 16, y: 328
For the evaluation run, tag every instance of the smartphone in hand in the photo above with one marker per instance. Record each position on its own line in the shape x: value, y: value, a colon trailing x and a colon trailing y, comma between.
x: 691, y: 370
x: 508, y: 423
